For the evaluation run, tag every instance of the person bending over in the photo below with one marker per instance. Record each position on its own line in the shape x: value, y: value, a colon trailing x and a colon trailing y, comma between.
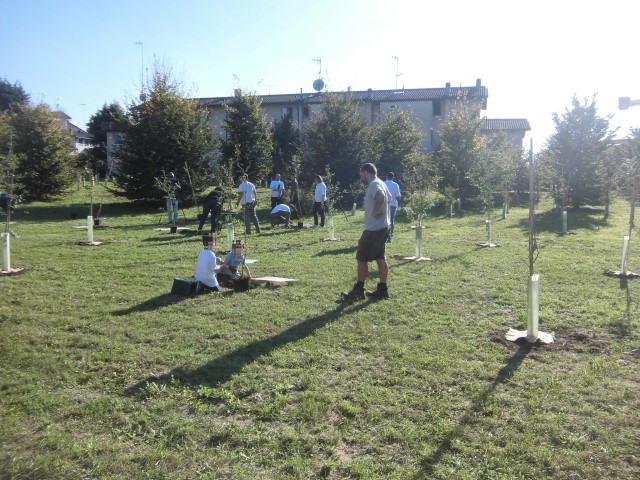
x: 281, y: 214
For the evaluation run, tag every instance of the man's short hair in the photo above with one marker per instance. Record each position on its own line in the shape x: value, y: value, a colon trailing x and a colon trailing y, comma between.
x: 390, y: 175
x: 369, y: 168
x: 318, y: 178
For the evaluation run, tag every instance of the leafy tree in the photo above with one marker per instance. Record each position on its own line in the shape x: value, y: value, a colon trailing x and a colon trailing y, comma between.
x: 286, y: 146
x: 392, y: 142
x: 335, y: 138
x: 461, y: 145
x: 495, y: 170
x: 43, y: 150
x: 574, y: 153
x: 12, y: 95
x: 247, y: 147
x: 164, y: 132
x: 109, y: 118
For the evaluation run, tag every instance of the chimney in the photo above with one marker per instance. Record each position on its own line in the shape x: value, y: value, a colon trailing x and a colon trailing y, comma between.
x: 478, y: 83
x: 447, y: 88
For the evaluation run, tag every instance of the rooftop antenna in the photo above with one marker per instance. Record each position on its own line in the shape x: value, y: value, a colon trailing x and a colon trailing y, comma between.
x: 318, y: 84
x: 397, y: 74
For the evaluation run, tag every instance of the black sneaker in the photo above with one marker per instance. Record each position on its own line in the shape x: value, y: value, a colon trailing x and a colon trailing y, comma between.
x: 356, y: 293
x: 378, y: 294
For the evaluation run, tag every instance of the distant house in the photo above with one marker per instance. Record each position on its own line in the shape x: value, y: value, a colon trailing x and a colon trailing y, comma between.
x: 428, y: 107
x: 79, y: 138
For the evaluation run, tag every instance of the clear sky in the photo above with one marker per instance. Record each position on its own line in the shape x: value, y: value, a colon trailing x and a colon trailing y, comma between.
x: 532, y: 56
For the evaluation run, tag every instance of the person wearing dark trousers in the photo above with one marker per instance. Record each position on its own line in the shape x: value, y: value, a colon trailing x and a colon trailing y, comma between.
x: 293, y: 192
x: 277, y: 189
x: 212, y: 204
x: 319, y: 200
x: 248, y: 196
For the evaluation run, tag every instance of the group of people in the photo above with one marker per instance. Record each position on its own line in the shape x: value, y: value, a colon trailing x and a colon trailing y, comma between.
x: 380, y: 207
x: 212, y: 272
x: 281, y: 212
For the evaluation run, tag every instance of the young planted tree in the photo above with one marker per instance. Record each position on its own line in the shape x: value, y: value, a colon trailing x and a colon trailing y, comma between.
x: 493, y: 173
x: 164, y: 131
x: 335, y: 137
x: 247, y: 145
x: 421, y: 185
x: 574, y: 153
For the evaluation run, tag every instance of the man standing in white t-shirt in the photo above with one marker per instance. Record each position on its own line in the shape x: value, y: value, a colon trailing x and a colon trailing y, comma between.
x: 277, y: 189
x: 394, y: 190
x: 371, y: 246
x: 319, y: 200
x: 248, y: 196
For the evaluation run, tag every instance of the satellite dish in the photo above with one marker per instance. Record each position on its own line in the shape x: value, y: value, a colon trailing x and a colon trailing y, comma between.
x: 318, y: 85
x: 143, y: 97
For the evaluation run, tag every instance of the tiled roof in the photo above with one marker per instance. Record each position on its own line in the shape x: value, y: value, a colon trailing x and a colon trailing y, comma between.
x: 502, y: 124
x: 367, y: 95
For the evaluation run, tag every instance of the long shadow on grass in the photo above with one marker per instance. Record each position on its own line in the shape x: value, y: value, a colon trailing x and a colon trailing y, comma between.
x: 477, y: 407
x: 221, y: 369
x: 337, y: 251
x: 577, y: 218
x: 152, y: 304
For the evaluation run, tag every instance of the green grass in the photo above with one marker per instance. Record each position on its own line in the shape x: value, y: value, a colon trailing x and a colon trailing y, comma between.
x: 104, y: 374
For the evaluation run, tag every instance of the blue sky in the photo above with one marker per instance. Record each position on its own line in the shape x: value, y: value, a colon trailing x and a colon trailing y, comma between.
x: 533, y: 57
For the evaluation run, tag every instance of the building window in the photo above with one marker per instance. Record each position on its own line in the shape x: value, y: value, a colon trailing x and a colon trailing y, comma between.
x: 306, y: 111
x: 287, y: 112
x: 437, y: 108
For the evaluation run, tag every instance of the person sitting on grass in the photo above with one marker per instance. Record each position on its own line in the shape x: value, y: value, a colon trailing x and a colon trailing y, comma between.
x: 206, y: 267
x: 228, y: 271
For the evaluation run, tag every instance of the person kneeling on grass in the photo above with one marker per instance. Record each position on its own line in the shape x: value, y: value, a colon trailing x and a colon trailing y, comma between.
x: 280, y: 214
x: 206, y: 267
x: 235, y: 259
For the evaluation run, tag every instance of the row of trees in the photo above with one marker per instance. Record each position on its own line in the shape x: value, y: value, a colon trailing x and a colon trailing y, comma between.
x: 166, y: 131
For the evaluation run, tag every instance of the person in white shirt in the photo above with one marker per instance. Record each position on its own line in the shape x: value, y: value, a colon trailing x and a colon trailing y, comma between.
x: 281, y: 214
x: 371, y: 246
x: 206, y: 267
x: 248, y: 196
x: 394, y: 190
x: 277, y: 189
x: 319, y: 199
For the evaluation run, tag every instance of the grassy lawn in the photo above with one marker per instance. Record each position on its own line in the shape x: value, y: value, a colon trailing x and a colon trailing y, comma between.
x: 105, y: 374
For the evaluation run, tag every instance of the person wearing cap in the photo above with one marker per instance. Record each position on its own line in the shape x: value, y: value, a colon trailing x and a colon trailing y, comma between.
x: 281, y: 214
x: 248, y: 196
x: 394, y: 190
x: 173, y: 186
x: 207, y: 267
x: 277, y: 189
